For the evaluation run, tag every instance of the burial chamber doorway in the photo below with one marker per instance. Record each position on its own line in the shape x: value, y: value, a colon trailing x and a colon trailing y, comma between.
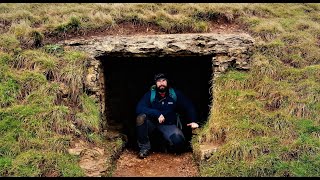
x: 120, y: 69
x: 127, y: 79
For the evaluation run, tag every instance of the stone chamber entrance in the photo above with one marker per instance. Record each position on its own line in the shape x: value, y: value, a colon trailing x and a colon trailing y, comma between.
x: 120, y: 69
x: 127, y: 79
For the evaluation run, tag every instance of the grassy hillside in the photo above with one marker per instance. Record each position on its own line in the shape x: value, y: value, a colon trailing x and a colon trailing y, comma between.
x: 267, y: 119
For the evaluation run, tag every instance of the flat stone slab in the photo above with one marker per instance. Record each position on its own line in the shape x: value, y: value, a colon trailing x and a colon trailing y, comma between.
x: 163, y: 45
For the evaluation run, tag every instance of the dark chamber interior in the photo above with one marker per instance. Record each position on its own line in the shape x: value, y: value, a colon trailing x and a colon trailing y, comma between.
x: 127, y: 79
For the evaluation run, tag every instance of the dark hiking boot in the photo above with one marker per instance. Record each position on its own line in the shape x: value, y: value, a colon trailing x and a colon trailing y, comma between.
x: 143, y: 154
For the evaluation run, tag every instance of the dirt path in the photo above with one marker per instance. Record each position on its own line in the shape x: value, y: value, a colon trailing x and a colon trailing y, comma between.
x: 96, y: 162
x: 157, y: 164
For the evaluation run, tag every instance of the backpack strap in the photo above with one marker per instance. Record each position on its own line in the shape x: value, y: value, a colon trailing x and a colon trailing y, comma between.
x: 153, y: 95
x: 172, y: 94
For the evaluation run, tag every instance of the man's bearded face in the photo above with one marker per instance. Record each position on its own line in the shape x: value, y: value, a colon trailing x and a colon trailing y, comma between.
x: 162, y: 85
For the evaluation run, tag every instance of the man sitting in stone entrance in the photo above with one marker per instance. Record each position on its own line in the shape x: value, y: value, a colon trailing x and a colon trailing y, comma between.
x: 159, y: 110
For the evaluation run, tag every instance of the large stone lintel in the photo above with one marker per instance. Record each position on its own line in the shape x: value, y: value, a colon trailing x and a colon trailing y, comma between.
x: 164, y: 45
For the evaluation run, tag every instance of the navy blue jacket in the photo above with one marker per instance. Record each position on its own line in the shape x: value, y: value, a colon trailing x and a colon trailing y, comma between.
x: 167, y: 107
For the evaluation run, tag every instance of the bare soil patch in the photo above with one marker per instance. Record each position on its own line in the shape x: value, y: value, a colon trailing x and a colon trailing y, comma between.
x: 157, y: 164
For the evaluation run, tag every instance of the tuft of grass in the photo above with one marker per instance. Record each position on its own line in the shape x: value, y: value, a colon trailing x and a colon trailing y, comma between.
x: 37, y: 38
x: 34, y: 60
x: 73, y: 25
x: 5, y: 164
x: 26, y: 34
x: 68, y: 166
x: 29, y: 81
x: 72, y: 73
x: 58, y: 119
x: 9, y: 42
x: 54, y: 49
x: 8, y: 92
x: 20, y: 29
x: 89, y: 121
x: 35, y: 163
x: 201, y: 26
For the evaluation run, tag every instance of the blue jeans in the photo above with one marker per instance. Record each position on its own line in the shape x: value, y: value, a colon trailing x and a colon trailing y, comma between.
x: 171, y: 133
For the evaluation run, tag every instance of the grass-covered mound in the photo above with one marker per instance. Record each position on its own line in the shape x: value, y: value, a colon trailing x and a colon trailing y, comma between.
x: 266, y: 119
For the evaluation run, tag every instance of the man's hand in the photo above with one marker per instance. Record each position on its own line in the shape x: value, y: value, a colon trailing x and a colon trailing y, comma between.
x: 193, y: 125
x: 161, y: 119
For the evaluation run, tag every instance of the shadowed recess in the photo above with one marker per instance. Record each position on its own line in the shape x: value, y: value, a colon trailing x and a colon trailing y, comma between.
x: 128, y: 78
